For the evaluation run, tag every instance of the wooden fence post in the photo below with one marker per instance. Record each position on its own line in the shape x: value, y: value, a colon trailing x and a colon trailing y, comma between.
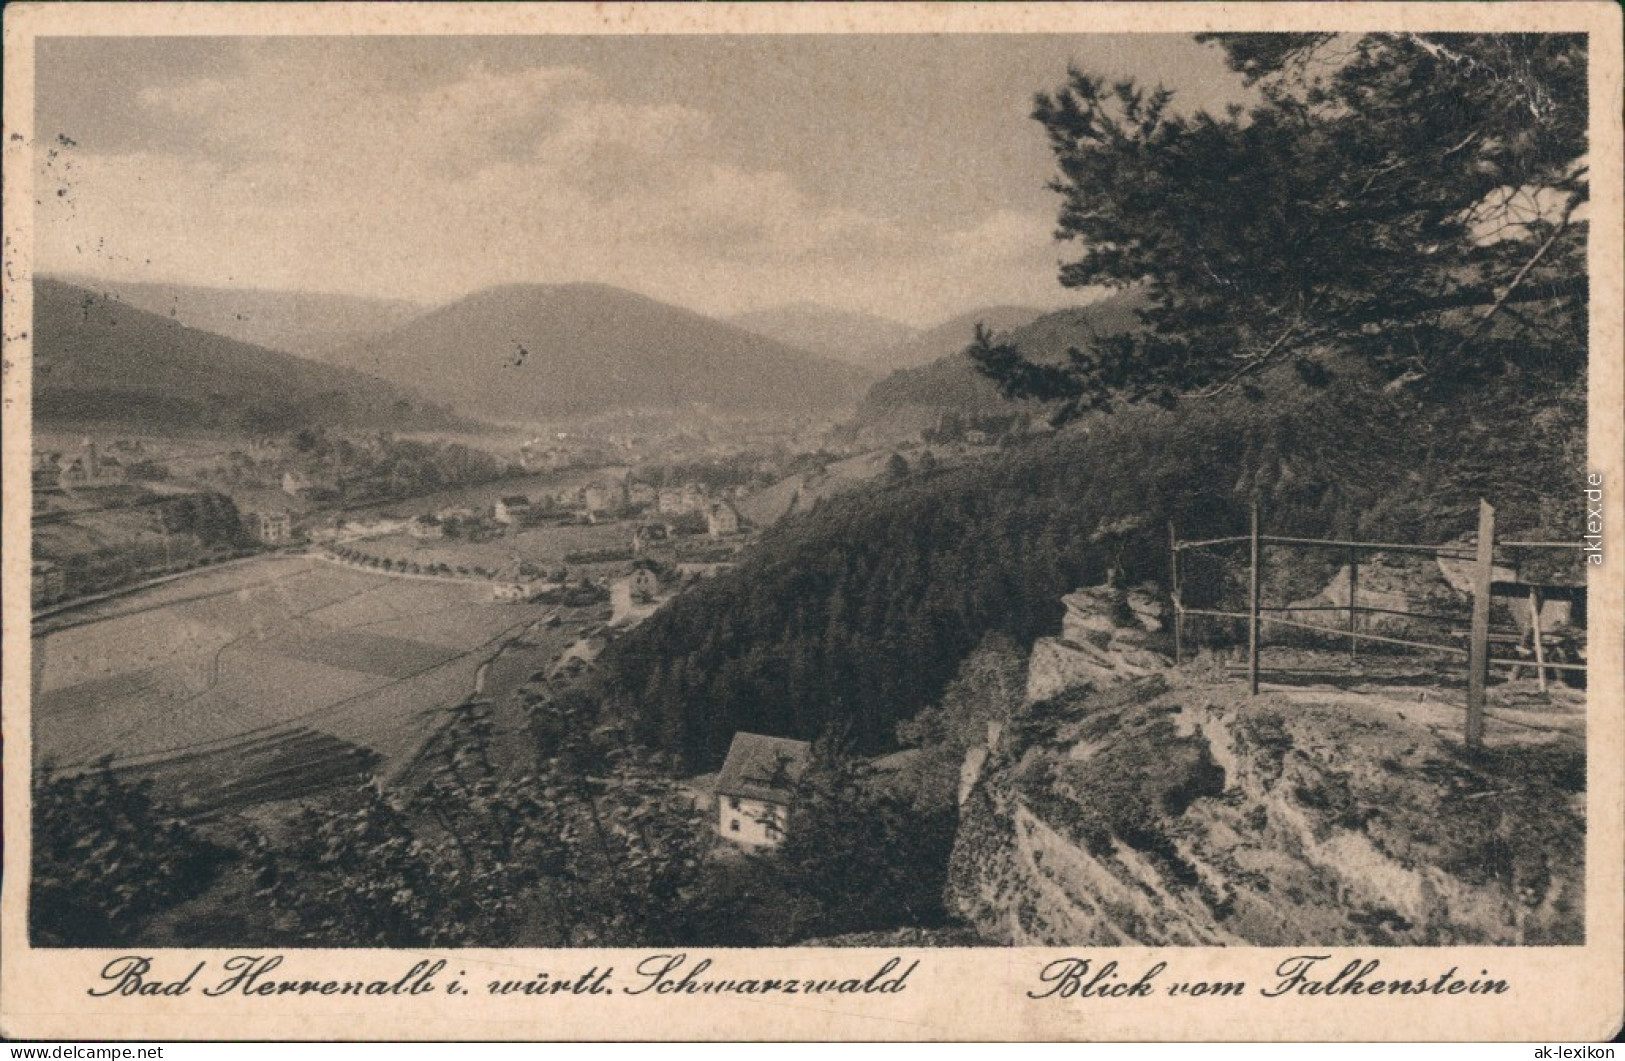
x: 1539, y: 636
x: 1354, y: 583
x: 1478, y: 657
x: 1253, y: 607
x: 1173, y: 593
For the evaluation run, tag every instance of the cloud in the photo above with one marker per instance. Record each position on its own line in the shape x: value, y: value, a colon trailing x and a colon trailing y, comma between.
x: 265, y: 115
x: 296, y: 178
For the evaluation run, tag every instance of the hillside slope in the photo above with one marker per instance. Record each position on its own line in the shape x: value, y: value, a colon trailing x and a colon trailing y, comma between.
x: 858, y: 611
x: 948, y: 381
x: 843, y: 335
x: 952, y: 335
x: 309, y: 324
x: 523, y: 351
x: 97, y: 359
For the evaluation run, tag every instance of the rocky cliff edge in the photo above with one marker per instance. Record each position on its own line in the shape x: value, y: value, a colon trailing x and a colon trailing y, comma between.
x: 1128, y: 802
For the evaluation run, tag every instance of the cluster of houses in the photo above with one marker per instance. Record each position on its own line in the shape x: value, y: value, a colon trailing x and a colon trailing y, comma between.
x: 536, y: 455
x: 89, y: 467
x: 428, y: 526
x: 562, y: 450
x: 520, y: 590
x: 677, y: 500
x: 272, y: 515
x: 616, y: 497
x: 265, y: 518
x: 357, y: 528
x: 722, y: 519
x: 591, y: 446
x: 257, y: 462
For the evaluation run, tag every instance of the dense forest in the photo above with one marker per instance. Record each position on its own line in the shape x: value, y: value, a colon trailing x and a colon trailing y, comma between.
x: 1365, y: 307
x: 859, y: 612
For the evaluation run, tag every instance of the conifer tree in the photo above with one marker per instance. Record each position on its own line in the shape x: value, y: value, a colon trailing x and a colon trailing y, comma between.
x: 1410, y: 200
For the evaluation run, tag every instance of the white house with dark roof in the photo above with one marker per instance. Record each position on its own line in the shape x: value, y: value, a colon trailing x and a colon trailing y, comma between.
x: 89, y: 468
x: 756, y: 787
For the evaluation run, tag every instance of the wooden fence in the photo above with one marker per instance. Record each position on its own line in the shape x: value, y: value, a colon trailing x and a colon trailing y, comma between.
x: 1484, y: 589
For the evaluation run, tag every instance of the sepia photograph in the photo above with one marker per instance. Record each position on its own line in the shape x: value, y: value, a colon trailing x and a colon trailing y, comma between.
x: 910, y: 491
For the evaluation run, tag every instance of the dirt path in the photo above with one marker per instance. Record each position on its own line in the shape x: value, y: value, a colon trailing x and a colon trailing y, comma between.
x: 1516, y: 712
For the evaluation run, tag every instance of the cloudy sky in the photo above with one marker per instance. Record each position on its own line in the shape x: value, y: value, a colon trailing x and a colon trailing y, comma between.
x: 897, y: 175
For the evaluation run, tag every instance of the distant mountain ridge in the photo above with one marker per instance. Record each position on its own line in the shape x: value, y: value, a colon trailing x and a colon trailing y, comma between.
x: 844, y: 335
x: 98, y: 359
x: 520, y: 351
x: 309, y: 324
x: 954, y: 334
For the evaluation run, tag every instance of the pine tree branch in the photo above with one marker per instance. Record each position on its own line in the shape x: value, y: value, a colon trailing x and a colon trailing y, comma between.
x: 1484, y: 318
x: 1253, y: 365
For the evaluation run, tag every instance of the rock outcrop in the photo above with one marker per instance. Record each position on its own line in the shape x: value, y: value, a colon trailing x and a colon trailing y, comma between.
x: 1106, y: 638
x: 1437, y: 591
x: 1126, y: 802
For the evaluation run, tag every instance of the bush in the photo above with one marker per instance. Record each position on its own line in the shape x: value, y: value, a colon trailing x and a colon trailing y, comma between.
x: 106, y: 858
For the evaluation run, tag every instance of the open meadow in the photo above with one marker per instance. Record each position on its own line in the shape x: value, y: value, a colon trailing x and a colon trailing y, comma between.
x: 221, y: 683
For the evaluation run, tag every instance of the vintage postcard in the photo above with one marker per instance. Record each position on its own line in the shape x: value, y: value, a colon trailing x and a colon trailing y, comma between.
x: 840, y: 521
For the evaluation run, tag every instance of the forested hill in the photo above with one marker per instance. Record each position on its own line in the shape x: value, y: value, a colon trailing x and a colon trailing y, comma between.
x: 951, y: 381
x: 306, y: 323
x: 858, y: 613
x: 524, y: 350
x: 952, y: 335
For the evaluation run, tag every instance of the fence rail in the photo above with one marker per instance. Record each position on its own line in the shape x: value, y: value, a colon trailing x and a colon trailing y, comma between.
x: 1484, y: 588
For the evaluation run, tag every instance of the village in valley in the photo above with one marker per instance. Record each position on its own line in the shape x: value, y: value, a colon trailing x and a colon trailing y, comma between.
x: 593, y: 507
x: 284, y: 497
x: 561, y: 542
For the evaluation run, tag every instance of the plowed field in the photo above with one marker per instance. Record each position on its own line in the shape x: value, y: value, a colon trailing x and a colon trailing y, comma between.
x: 282, y: 653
